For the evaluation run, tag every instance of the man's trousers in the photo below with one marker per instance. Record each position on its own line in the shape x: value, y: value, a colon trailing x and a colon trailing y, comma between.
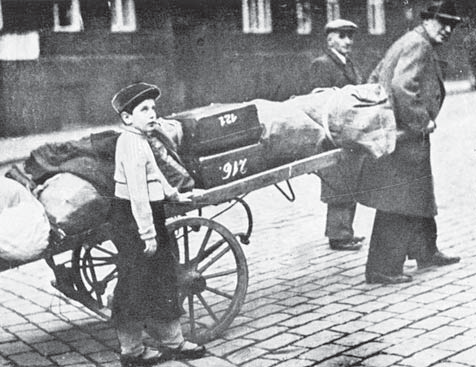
x: 339, y: 223
x: 396, y: 236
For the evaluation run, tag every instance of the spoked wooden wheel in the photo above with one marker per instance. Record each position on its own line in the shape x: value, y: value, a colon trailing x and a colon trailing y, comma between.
x: 95, y: 275
x: 212, y: 275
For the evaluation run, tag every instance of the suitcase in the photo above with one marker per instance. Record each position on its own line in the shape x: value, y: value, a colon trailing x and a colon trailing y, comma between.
x: 217, y: 128
x: 219, y: 169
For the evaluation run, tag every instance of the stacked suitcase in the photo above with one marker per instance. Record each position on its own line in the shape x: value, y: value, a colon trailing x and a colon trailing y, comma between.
x: 221, y: 143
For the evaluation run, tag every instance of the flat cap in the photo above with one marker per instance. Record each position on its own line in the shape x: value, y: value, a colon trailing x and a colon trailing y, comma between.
x: 132, y: 95
x: 340, y: 25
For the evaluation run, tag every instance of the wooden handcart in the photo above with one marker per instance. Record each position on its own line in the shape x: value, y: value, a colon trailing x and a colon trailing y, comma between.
x: 212, y: 268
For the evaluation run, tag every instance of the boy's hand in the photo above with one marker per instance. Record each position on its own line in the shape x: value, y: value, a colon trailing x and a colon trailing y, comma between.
x: 150, y: 247
x: 185, y: 197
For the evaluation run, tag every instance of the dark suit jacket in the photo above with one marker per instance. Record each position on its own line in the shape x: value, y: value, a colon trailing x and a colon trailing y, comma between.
x: 402, y: 182
x: 328, y: 71
x: 339, y: 181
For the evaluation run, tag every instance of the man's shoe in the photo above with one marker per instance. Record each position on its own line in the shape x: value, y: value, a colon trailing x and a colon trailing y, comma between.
x: 186, y: 350
x: 379, y: 278
x: 353, y: 244
x: 438, y: 259
x: 148, y: 357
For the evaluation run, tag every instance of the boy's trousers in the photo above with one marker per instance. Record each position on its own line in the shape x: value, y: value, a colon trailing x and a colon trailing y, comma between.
x: 167, y: 333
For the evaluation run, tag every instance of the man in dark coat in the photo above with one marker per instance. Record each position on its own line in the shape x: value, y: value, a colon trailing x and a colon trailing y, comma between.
x: 335, y: 69
x: 400, y: 186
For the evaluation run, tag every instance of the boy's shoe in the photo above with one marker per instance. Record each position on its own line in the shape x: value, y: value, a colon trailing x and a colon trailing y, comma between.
x: 186, y: 350
x: 148, y: 357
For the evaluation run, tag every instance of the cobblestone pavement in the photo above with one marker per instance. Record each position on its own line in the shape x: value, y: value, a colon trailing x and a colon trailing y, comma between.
x: 306, y: 305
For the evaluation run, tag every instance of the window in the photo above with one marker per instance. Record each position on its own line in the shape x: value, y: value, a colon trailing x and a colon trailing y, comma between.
x: 1, y: 15
x: 376, y: 16
x: 67, y: 16
x: 123, y: 16
x: 333, y: 10
x: 20, y: 46
x: 257, y: 16
x: 303, y: 14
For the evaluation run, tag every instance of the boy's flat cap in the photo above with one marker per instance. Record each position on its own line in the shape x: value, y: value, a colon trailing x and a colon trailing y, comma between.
x: 133, y: 94
x: 340, y: 25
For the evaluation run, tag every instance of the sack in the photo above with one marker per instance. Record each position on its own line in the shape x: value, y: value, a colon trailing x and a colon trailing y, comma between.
x: 24, y: 226
x: 362, y: 117
x: 73, y: 204
x: 90, y: 158
x: 289, y: 133
x: 353, y: 117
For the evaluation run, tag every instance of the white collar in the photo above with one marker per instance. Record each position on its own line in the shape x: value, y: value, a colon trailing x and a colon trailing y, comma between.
x: 339, y: 55
x: 132, y: 129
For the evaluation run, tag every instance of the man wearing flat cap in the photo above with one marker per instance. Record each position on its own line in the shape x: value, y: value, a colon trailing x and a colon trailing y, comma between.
x: 334, y: 68
x: 400, y: 186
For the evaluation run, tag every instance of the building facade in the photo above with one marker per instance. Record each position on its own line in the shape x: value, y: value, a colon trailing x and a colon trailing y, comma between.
x: 61, y: 60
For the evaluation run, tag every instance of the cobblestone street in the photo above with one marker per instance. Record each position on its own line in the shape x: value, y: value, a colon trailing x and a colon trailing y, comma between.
x: 306, y: 305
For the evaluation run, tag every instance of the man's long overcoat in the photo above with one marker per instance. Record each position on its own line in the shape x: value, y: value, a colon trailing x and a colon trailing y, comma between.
x: 402, y: 182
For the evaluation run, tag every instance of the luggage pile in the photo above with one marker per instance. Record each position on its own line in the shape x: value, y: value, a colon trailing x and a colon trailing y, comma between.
x: 221, y: 143
x: 226, y: 142
x: 211, y: 146
x: 72, y: 181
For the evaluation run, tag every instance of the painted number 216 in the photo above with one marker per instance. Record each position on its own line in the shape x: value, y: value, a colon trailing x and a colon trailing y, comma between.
x: 227, y: 119
x: 231, y: 169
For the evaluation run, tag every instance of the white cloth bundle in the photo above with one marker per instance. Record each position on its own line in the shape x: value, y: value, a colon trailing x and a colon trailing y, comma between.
x: 24, y: 226
x: 73, y: 204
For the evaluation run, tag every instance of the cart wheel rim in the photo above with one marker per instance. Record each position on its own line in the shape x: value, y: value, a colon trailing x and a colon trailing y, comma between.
x: 94, y: 272
x: 212, y: 275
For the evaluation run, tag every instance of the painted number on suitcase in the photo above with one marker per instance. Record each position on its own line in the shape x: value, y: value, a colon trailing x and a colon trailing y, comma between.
x: 227, y: 119
x: 231, y: 169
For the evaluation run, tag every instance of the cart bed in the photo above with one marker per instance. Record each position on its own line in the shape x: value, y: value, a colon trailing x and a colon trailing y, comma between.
x: 216, y: 195
x: 224, y: 193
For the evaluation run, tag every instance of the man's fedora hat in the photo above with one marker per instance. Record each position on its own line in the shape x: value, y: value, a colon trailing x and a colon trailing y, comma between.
x: 444, y: 10
x: 129, y: 97
x: 338, y: 25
